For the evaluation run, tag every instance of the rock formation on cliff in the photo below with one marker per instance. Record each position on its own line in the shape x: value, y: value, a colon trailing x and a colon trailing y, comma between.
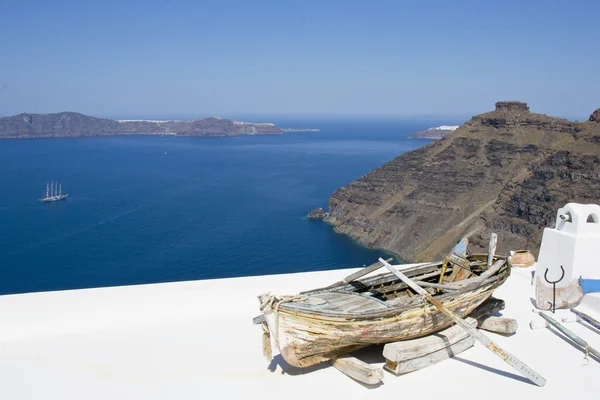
x: 70, y: 124
x: 505, y: 171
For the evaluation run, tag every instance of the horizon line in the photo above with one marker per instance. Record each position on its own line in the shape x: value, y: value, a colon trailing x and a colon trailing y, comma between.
x: 229, y: 115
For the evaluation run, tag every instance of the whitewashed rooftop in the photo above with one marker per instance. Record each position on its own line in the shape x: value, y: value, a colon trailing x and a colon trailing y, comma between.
x: 194, y: 340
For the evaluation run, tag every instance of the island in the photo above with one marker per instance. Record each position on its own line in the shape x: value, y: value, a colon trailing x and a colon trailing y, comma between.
x: 505, y: 171
x: 301, y: 129
x: 72, y: 124
x: 434, y: 133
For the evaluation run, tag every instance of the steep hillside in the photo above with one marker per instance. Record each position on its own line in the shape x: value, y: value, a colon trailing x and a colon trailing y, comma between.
x: 505, y: 171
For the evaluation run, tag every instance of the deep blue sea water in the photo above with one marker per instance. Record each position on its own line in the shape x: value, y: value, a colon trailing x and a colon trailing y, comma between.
x: 159, y: 208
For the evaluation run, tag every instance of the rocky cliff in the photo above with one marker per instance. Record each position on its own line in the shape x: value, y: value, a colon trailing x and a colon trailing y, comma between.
x: 69, y: 124
x: 506, y: 171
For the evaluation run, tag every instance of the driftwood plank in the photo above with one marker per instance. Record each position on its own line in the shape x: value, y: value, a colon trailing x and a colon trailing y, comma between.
x: 357, y: 369
x: 492, y: 270
x: 376, y: 281
x: 365, y: 271
x: 405, y: 350
x: 415, y: 364
x: 502, y: 325
x: 394, y: 287
x: 480, y: 337
x: 411, y: 355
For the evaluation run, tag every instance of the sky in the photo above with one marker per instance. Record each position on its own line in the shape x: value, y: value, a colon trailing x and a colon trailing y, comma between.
x: 131, y: 59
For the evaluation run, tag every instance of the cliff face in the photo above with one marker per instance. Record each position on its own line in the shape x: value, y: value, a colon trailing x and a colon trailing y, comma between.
x: 506, y: 171
x: 69, y: 124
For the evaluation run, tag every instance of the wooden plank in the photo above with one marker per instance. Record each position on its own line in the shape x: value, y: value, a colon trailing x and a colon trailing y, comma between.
x: 480, y: 337
x: 399, y: 352
x: 401, y: 285
x: 365, y: 271
x: 375, y: 280
x: 444, y: 286
x: 458, y: 258
x: 358, y: 370
x: 386, y: 278
x: 350, y: 302
x: 492, y: 270
x: 399, y: 368
x: 506, y: 326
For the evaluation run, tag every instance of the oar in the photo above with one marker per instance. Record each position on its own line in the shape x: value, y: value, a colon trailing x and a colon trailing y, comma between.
x: 571, y: 335
x: 480, y: 337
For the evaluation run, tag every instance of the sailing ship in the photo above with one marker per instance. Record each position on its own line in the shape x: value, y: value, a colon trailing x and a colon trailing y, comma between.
x: 320, y: 324
x: 53, y: 192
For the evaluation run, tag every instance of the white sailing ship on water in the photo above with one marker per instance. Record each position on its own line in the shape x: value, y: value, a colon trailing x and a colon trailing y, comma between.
x: 53, y: 192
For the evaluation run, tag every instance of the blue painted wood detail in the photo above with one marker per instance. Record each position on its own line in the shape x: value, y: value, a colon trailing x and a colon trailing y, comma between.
x: 590, y: 285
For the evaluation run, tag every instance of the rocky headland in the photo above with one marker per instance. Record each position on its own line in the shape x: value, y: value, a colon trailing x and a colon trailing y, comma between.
x: 505, y: 171
x: 71, y: 124
x: 434, y: 133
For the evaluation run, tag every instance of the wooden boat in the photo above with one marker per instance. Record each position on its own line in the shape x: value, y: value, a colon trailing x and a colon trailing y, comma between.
x: 321, y: 324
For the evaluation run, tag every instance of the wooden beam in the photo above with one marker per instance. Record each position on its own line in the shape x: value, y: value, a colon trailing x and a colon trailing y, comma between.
x: 505, y: 326
x: 477, y: 335
x: 399, y: 352
x: 365, y: 271
x: 358, y: 370
x: 415, y: 364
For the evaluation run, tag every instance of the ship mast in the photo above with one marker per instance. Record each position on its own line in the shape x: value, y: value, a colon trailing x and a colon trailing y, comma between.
x: 52, y: 189
x: 47, y: 189
x: 60, y: 190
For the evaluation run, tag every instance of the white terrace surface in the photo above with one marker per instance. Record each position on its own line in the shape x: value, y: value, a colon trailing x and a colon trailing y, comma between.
x: 194, y: 340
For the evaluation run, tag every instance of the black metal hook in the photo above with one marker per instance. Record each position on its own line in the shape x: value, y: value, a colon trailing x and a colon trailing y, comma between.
x: 554, y: 286
x: 554, y: 282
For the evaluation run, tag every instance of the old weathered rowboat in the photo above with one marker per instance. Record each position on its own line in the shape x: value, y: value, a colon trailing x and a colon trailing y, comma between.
x: 320, y: 324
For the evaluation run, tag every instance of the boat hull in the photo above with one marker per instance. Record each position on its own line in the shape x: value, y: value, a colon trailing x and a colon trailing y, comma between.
x: 54, y: 198
x: 307, y: 339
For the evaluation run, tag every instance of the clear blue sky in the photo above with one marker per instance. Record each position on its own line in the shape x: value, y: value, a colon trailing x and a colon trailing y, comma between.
x: 393, y: 58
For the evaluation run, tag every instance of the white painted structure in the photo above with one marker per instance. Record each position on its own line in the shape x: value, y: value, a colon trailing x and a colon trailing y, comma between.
x: 446, y: 127
x: 196, y: 340
x: 574, y: 246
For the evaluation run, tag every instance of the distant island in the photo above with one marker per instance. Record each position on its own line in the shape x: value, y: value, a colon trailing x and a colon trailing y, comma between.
x: 72, y: 124
x: 435, y: 133
x: 301, y: 129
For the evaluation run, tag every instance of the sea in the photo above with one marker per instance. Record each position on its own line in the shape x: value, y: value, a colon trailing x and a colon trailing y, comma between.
x: 151, y: 209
